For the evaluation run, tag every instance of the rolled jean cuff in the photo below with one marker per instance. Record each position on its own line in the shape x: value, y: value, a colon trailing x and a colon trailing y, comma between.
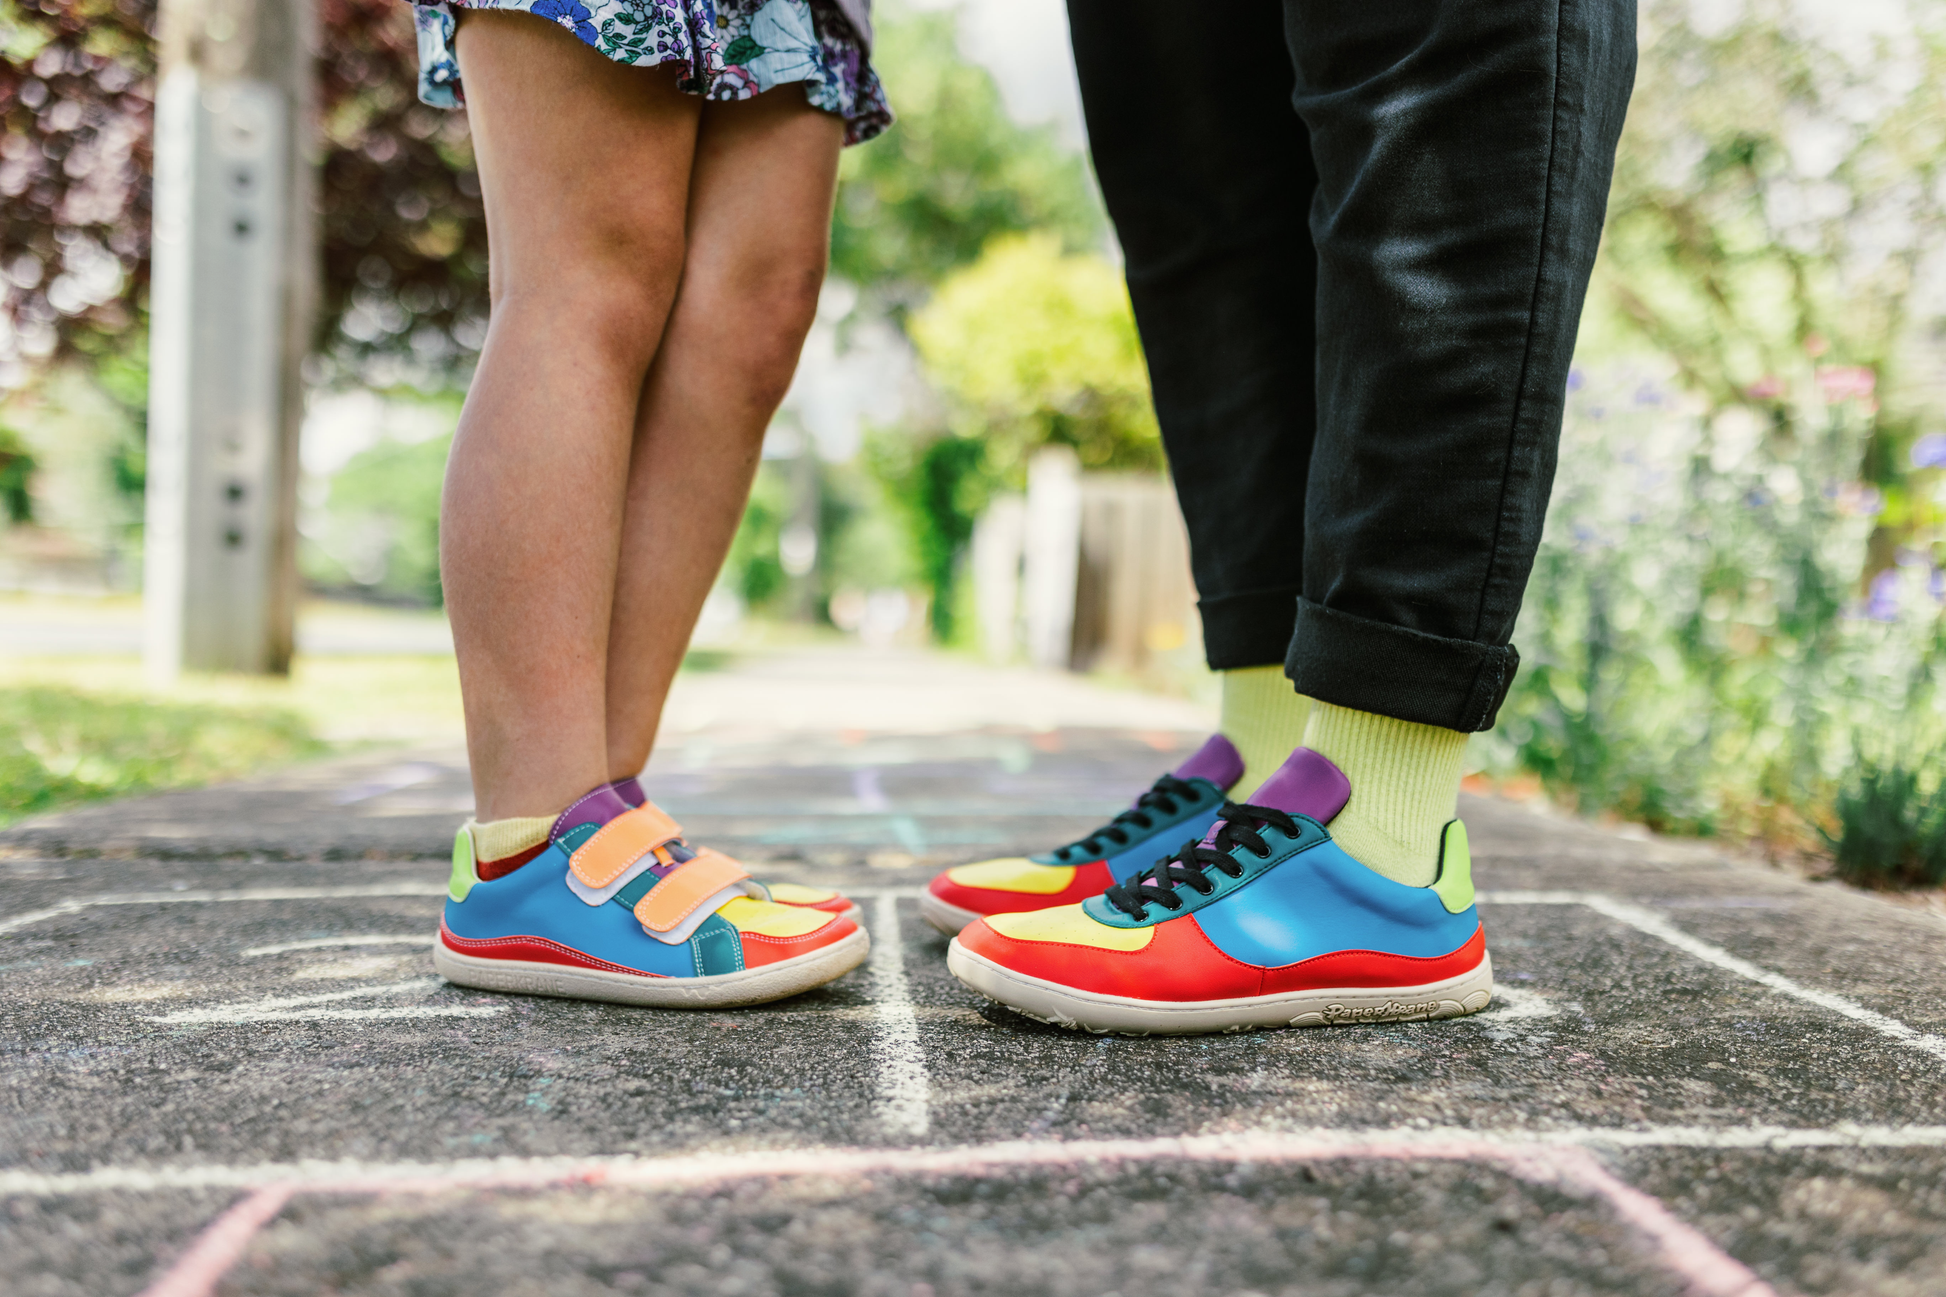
x: 1248, y: 630
x: 1408, y: 675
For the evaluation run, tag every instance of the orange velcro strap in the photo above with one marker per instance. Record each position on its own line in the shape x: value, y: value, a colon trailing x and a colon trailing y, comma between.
x: 664, y: 906
x: 620, y: 843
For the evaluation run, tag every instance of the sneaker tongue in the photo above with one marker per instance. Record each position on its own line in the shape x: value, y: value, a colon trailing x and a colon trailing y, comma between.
x: 1306, y: 784
x: 598, y: 807
x: 1217, y: 761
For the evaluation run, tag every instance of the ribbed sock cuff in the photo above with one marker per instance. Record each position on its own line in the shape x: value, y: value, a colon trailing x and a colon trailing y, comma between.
x: 498, y: 839
x: 1405, y: 781
x: 1265, y: 717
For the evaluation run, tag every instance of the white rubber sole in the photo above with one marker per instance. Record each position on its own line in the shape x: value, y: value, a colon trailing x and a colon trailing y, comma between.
x: 724, y: 990
x: 1063, y: 1006
x: 946, y: 917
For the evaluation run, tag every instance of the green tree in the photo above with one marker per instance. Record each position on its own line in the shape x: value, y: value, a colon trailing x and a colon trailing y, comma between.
x: 952, y: 172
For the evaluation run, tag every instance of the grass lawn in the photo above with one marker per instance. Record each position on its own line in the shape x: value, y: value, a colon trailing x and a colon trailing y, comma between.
x: 75, y: 729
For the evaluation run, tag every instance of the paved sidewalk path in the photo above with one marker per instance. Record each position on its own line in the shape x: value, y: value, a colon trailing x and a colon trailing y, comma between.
x: 228, y: 1068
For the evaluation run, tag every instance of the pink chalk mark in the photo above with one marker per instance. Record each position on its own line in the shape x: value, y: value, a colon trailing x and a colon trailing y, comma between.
x: 1687, y: 1252
x: 197, y: 1272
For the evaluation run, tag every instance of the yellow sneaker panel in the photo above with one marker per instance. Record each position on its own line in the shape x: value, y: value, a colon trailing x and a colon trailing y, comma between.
x: 768, y: 919
x: 1014, y: 874
x: 798, y: 894
x: 1068, y: 925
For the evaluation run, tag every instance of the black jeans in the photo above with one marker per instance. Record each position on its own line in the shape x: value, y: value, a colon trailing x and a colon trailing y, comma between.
x: 1361, y: 408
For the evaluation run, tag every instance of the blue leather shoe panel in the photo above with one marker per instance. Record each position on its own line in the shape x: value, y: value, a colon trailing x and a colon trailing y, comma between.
x: 1133, y: 861
x: 534, y: 901
x: 1322, y: 900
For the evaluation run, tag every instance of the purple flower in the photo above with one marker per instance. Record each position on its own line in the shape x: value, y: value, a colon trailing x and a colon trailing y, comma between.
x: 1575, y: 380
x: 1930, y: 451
x: 1883, y: 604
x: 569, y: 14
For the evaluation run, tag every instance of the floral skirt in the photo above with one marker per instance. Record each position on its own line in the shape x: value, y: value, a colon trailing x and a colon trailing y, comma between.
x: 730, y: 49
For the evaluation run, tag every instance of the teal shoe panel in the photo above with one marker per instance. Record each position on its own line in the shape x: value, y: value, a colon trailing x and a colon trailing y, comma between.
x: 1321, y: 900
x: 534, y: 901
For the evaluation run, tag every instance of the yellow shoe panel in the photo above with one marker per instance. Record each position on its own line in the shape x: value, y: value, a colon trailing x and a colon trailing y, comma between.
x: 1014, y: 874
x: 768, y: 919
x: 1069, y: 925
x: 798, y: 894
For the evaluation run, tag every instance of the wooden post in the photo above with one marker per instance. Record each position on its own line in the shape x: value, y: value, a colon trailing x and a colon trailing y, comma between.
x: 234, y: 273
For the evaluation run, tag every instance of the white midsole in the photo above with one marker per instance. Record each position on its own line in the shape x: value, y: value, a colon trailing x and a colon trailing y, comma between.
x: 1064, y: 1006
x: 721, y: 990
x: 944, y: 915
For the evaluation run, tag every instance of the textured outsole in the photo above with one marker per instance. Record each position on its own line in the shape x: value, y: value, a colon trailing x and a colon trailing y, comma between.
x: 724, y: 990
x: 1064, y: 1006
x: 943, y: 915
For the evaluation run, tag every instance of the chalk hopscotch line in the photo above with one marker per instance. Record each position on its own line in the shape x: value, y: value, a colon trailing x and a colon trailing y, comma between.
x: 904, y: 1085
x: 191, y: 895
x: 1647, y: 921
x: 340, y: 943
x: 1559, y: 1158
x: 304, y: 1008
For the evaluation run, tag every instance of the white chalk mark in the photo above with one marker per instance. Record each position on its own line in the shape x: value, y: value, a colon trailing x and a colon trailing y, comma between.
x: 1683, y: 1249
x: 1517, y: 1002
x: 41, y: 916
x: 334, y: 943
x: 865, y: 788
x: 389, y: 781
x: 904, y: 1089
x: 353, y: 1176
x: 1645, y: 920
x: 301, y: 1008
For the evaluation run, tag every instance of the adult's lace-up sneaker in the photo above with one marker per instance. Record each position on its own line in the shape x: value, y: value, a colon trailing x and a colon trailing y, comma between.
x: 1178, y: 807
x: 811, y: 898
x: 1264, y: 923
x: 618, y: 907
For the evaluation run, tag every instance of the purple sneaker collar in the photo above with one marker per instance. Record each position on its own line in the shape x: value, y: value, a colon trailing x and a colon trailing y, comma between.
x: 598, y: 807
x: 1306, y: 784
x: 630, y: 790
x: 1217, y: 761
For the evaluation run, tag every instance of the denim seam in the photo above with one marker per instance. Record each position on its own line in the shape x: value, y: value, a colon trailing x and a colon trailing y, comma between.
x: 1533, y: 312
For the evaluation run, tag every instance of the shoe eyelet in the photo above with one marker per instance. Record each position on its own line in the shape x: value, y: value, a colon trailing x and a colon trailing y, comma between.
x: 1262, y: 855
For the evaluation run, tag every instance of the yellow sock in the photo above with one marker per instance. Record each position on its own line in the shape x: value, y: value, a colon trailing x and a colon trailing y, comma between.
x: 498, y: 839
x: 1265, y: 718
x: 1404, y: 788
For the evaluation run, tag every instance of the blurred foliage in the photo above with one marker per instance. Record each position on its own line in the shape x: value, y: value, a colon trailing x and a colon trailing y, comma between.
x: 60, y: 746
x: 1778, y: 198
x: 953, y: 171
x: 1891, y: 824
x: 16, y: 467
x: 400, y: 219
x: 1032, y: 347
x: 77, y: 97
x: 1739, y: 581
x: 400, y: 216
x: 376, y: 531
x: 938, y: 486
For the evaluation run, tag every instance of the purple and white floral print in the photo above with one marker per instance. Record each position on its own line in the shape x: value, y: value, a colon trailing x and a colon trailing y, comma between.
x: 726, y: 50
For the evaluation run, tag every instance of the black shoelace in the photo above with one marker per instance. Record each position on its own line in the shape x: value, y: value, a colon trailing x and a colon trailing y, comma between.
x: 1236, y: 826
x: 1163, y: 796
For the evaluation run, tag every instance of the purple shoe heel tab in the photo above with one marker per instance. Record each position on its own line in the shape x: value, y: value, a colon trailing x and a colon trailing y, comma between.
x: 1306, y: 784
x: 1217, y: 761
x: 598, y: 807
x: 630, y: 790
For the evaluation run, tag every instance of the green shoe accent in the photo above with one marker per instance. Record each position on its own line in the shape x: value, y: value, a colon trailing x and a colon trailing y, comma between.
x: 464, y: 875
x: 1454, y: 885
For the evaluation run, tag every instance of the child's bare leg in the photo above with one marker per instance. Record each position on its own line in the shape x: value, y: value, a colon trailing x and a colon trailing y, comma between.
x: 585, y: 166
x: 759, y: 233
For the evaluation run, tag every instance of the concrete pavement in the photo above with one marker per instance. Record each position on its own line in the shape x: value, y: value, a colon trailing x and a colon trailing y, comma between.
x: 229, y: 1068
